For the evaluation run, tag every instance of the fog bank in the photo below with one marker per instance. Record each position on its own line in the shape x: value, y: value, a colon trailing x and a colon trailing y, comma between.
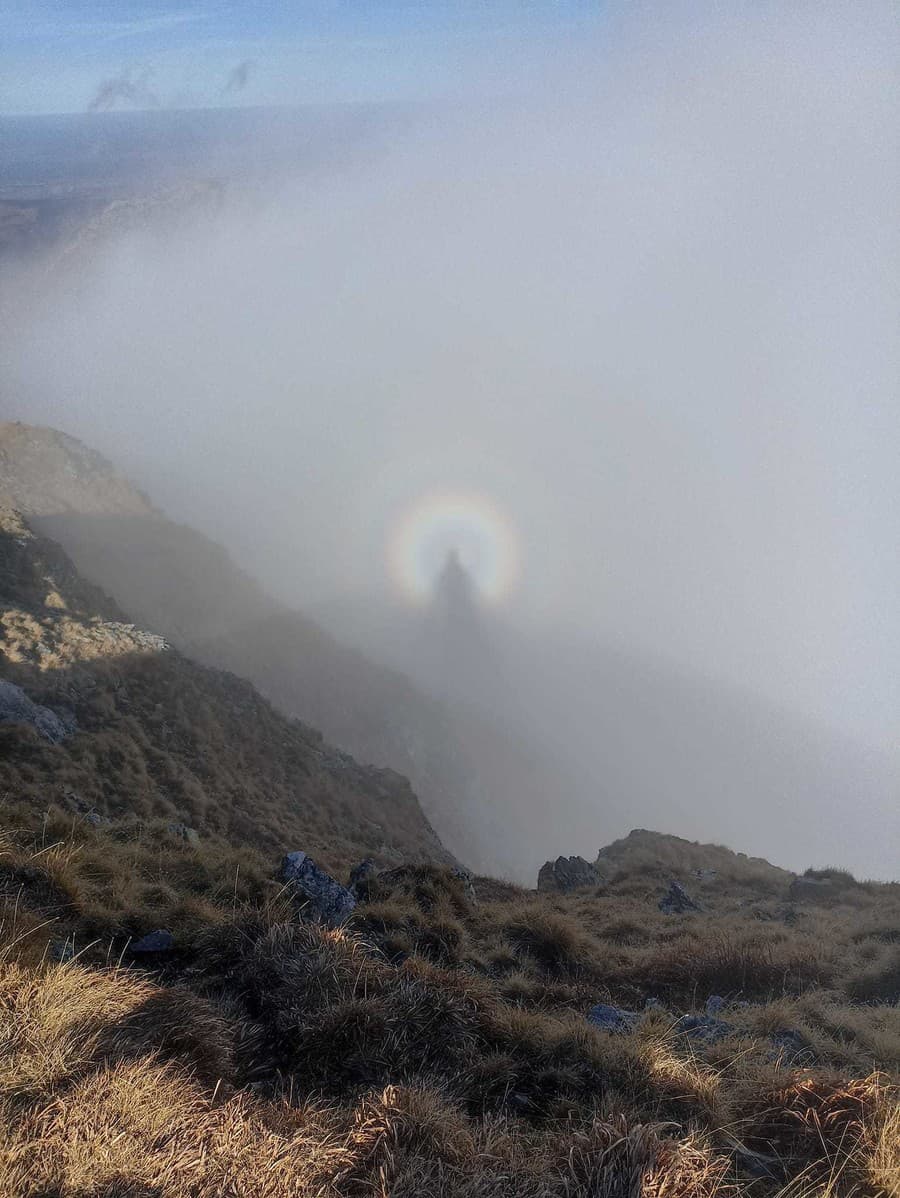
x: 646, y: 304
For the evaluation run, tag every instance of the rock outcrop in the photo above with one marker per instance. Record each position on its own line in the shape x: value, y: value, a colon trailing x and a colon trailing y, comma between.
x: 821, y: 886
x: 707, y: 1028
x: 468, y: 884
x: 328, y: 901
x: 361, y: 876
x: 160, y: 941
x: 677, y: 901
x: 17, y: 708
x: 568, y: 873
x: 189, y: 835
x: 612, y: 1019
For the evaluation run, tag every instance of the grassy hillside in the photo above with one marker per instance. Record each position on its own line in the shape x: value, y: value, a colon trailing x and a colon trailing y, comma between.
x: 437, y: 1044
x: 162, y: 739
x: 174, y: 580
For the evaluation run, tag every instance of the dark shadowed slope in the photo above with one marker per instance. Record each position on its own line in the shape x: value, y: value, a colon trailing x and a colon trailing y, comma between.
x: 159, y: 737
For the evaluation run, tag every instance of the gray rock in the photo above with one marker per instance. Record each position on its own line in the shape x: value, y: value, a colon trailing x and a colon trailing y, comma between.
x: 801, y: 888
x: 568, y: 873
x: 612, y: 1019
x: 17, y: 708
x: 468, y: 885
x: 677, y: 901
x: 329, y: 901
x: 134, y: 636
x: 360, y: 878
x: 159, y: 941
x: 183, y: 832
x: 707, y: 1027
x: 791, y: 1046
x: 83, y: 808
x: 702, y: 1027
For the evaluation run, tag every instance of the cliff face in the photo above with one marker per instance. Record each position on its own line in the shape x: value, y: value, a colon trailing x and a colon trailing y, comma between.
x: 152, y: 734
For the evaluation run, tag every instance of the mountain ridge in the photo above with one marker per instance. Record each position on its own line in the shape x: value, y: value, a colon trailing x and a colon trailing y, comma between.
x: 176, y: 581
x: 575, y: 742
x: 162, y: 737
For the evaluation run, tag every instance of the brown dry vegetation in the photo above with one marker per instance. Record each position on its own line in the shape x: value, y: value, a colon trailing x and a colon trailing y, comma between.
x: 431, y: 1047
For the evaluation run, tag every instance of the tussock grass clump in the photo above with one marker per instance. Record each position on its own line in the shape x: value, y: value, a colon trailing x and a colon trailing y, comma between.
x: 878, y: 982
x: 111, y: 1084
x: 839, y: 1133
x: 736, y: 961
x: 65, y: 1021
x: 283, y: 1057
x: 108, y: 883
x: 401, y: 928
x: 555, y: 942
x: 625, y: 930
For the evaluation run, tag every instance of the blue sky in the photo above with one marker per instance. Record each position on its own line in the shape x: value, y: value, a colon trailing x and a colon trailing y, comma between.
x: 56, y: 57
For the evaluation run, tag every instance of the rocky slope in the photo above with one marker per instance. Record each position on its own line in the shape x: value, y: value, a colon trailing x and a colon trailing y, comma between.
x: 156, y: 736
x: 173, y: 580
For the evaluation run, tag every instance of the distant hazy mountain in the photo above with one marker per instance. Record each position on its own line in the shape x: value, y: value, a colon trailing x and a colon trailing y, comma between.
x: 63, y: 174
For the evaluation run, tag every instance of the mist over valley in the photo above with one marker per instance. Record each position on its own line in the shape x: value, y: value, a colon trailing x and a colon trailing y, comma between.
x: 449, y: 660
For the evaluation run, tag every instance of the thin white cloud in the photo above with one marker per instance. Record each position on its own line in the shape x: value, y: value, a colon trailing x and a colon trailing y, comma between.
x: 109, y: 30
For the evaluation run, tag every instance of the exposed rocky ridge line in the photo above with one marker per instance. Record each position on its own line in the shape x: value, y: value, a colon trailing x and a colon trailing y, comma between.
x: 663, y: 853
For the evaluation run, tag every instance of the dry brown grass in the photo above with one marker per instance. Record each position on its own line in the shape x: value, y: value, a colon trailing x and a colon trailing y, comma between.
x: 277, y: 1057
x: 834, y: 1134
x: 92, y: 1101
x: 432, y: 1047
